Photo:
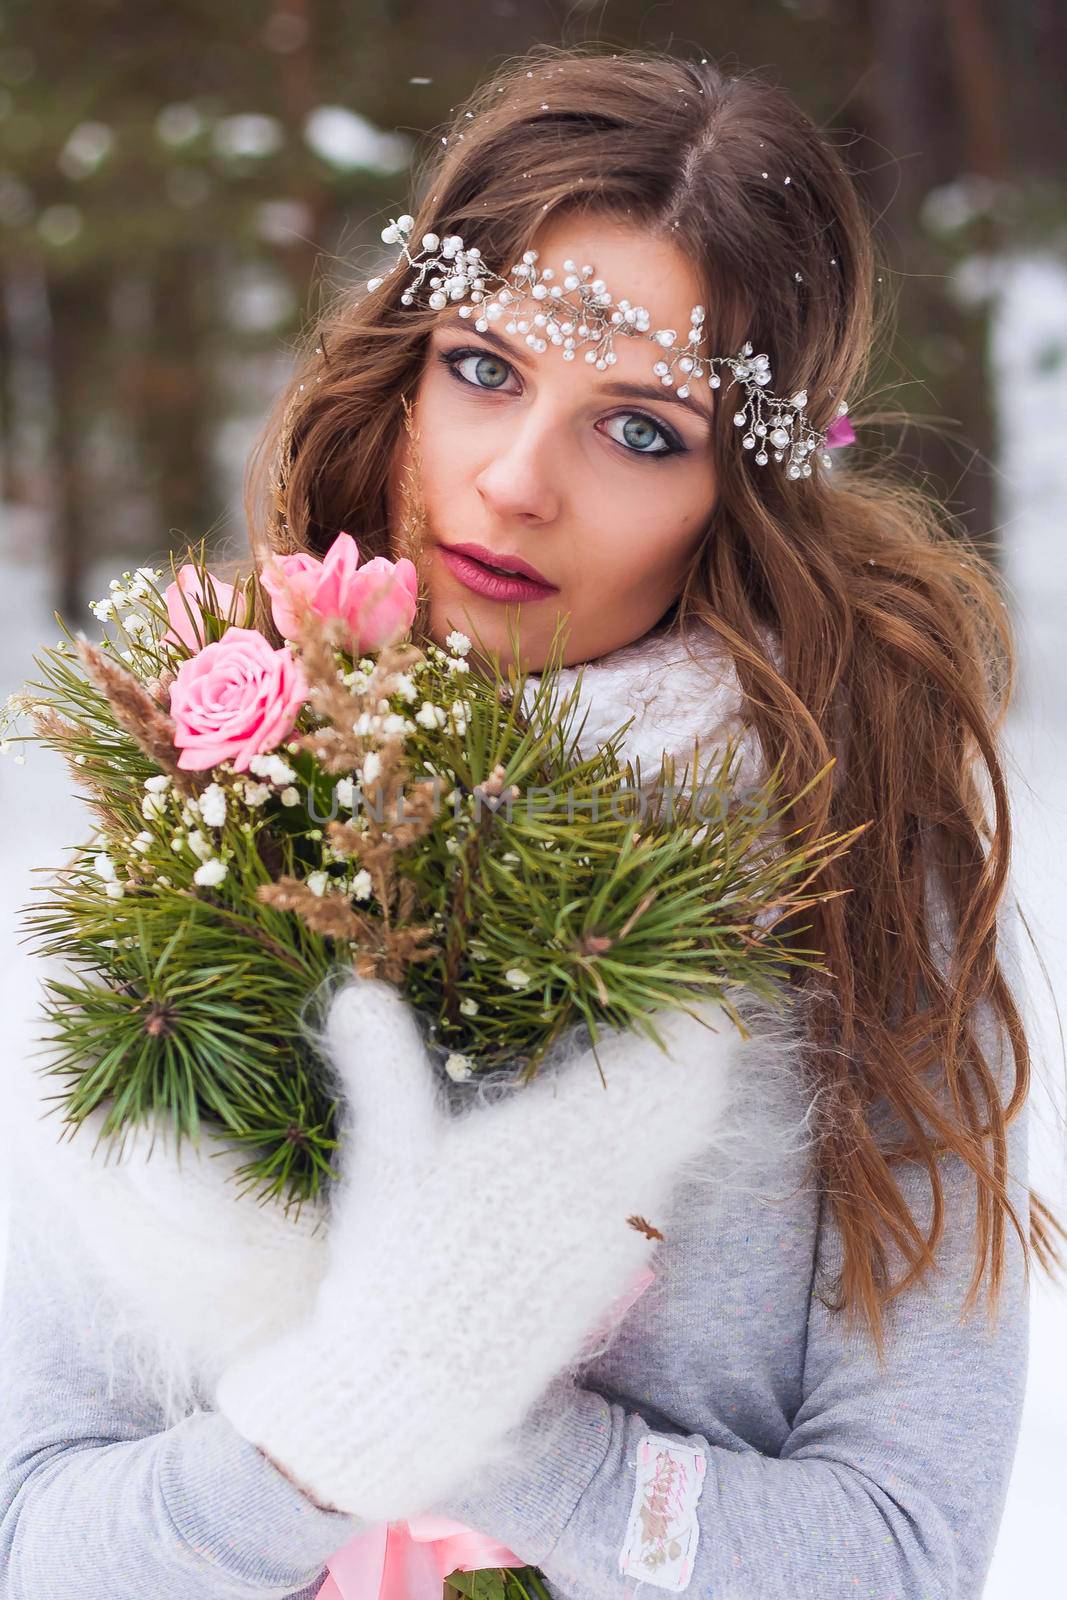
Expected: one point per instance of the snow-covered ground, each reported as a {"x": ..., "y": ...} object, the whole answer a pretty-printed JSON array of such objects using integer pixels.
[{"x": 1030, "y": 350}]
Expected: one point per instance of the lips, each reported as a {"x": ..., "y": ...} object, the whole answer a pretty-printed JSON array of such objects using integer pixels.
[
  {"x": 504, "y": 588},
  {"x": 501, "y": 563}
]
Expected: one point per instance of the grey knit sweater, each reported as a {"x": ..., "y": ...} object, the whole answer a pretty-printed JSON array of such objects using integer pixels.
[{"x": 789, "y": 1464}]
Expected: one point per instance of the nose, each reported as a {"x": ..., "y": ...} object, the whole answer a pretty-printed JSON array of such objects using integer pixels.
[{"x": 518, "y": 482}]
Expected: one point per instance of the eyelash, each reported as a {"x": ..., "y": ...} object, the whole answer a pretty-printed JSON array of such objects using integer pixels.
[{"x": 452, "y": 358}]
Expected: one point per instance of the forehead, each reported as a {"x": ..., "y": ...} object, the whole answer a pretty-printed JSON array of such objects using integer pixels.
[{"x": 652, "y": 272}]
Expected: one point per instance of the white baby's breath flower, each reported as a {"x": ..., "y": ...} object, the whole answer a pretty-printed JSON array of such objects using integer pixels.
[
  {"x": 103, "y": 610},
  {"x": 517, "y": 977},
  {"x": 137, "y": 626},
  {"x": 459, "y": 1067},
  {"x": 177, "y": 843},
  {"x": 453, "y": 846},
  {"x": 290, "y": 796},
  {"x": 372, "y": 765},
  {"x": 255, "y": 794},
  {"x": 469, "y": 1007},
  {"x": 405, "y": 686},
  {"x": 431, "y": 716},
  {"x": 272, "y": 767},
  {"x": 361, "y": 885},
  {"x": 210, "y": 873},
  {"x": 213, "y": 805},
  {"x": 104, "y": 867},
  {"x": 157, "y": 784},
  {"x": 344, "y": 788},
  {"x": 317, "y": 881},
  {"x": 394, "y": 723},
  {"x": 114, "y": 891},
  {"x": 200, "y": 844},
  {"x": 366, "y": 723},
  {"x": 458, "y": 642},
  {"x": 281, "y": 773},
  {"x": 142, "y": 842},
  {"x": 457, "y": 664}
]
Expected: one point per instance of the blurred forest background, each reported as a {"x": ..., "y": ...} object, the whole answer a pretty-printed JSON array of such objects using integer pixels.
[{"x": 180, "y": 182}]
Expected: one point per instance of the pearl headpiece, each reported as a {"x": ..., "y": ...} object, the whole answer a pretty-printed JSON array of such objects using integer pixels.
[{"x": 580, "y": 311}]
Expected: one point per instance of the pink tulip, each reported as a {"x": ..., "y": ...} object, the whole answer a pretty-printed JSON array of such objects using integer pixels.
[
  {"x": 235, "y": 699},
  {"x": 182, "y": 629},
  {"x": 291, "y": 582},
  {"x": 376, "y": 601}
]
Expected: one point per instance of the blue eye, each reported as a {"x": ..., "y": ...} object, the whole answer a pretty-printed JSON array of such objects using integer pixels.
[
  {"x": 485, "y": 380},
  {"x": 639, "y": 431}
]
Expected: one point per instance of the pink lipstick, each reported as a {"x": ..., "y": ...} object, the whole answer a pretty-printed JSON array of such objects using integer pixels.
[{"x": 515, "y": 579}]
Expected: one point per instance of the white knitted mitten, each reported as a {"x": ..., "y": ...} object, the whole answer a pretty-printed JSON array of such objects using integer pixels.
[{"x": 469, "y": 1255}]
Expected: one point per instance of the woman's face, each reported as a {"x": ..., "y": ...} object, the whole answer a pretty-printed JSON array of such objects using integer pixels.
[{"x": 604, "y": 493}]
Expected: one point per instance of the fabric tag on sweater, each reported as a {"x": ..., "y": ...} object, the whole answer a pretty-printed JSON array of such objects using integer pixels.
[{"x": 661, "y": 1535}]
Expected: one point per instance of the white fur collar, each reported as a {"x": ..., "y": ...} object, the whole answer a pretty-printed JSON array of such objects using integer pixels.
[{"x": 673, "y": 693}]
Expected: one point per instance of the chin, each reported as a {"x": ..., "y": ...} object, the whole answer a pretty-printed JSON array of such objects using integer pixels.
[{"x": 487, "y": 627}]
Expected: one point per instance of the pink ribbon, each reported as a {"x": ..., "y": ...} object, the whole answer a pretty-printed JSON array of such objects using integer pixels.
[{"x": 410, "y": 1560}]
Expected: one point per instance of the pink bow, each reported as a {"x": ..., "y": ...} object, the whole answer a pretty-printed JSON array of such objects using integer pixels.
[{"x": 410, "y": 1560}]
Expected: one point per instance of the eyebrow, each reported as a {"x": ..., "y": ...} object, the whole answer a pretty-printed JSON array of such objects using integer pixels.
[{"x": 656, "y": 392}]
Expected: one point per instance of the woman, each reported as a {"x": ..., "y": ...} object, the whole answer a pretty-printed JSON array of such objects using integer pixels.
[{"x": 805, "y": 1400}]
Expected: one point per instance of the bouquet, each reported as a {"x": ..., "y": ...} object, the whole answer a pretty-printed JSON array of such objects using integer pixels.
[
  {"x": 266, "y": 815},
  {"x": 263, "y": 813}
]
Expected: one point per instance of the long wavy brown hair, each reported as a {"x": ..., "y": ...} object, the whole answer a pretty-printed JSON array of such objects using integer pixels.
[{"x": 896, "y": 651}]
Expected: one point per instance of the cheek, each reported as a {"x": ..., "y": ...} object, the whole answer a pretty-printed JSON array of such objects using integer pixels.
[
  {"x": 651, "y": 528},
  {"x": 449, "y": 453}
]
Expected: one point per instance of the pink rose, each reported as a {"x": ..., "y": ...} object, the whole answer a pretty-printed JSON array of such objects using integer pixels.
[
  {"x": 376, "y": 602},
  {"x": 182, "y": 629},
  {"x": 235, "y": 699}
]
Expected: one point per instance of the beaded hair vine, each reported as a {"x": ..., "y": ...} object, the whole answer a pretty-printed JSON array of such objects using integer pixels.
[{"x": 580, "y": 311}]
